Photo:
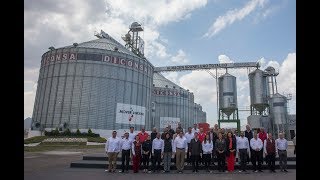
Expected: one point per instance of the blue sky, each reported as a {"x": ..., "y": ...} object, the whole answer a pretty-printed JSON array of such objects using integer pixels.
[
  {"x": 246, "y": 40},
  {"x": 175, "y": 32}
]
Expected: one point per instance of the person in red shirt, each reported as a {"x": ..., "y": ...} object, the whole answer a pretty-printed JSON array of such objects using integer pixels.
[
  {"x": 201, "y": 137},
  {"x": 143, "y": 135},
  {"x": 263, "y": 136}
]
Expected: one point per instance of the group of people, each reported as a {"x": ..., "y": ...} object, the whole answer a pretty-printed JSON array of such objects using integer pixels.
[{"x": 198, "y": 147}]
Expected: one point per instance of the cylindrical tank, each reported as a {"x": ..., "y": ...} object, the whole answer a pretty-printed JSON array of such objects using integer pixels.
[
  {"x": 173, "y": 104},
  {"x": 97, "y": 84},
  {"x": 227, "y": 93},
  {"x": 254, "y": 121},
  {"x": 279, "y": 114},
  {"x": 258, "y": 90}
]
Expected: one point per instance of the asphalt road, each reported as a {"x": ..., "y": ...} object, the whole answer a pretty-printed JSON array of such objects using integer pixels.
[{"x": 55, "y": 166}]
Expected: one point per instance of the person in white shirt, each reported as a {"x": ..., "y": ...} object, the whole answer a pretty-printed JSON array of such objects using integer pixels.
[
  {"x": 281, "y": 147},
  {"x": 112, "y": 149},
  {"x": 243, "y": 150},
  {"x": 189, "y": 135},
  {"x": 256, "y": 145},
  {"x": 207, "y": 146},
  {"x": 132, "y": 134},
  {"x": 180, "y": 147},
  {"x": 125, "y": 145},
  {"x": 195, "y": 128},
  {"x": 157, "y": 151}
]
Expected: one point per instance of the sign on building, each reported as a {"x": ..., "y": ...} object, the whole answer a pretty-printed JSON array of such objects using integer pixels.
[
  {"x": 130, "y": 114},
  {"x": 165, "y": 121}
]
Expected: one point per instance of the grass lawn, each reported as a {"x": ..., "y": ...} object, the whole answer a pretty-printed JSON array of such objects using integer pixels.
[{"x": 41, "y": 148}]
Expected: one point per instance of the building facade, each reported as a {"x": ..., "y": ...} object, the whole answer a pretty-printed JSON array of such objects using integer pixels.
[{"x": 102, "y": 85}]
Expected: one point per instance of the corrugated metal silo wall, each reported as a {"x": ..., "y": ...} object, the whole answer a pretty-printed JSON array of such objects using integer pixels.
[
  {"x": 173, "y": 103},
  {"x": 85, "y": 92}
]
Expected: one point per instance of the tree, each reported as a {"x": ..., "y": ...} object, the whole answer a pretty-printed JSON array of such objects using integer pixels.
[{"x": 89, "y": 131}]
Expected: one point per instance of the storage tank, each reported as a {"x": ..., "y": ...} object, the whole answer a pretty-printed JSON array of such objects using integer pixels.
[
  {"x": 199, "y": 114},
  {"x": 254, "y": 121},
  {"x": 227, "y": 93},
  {"x": 258, "y": 90},
  {"x": 279, "y": 114},
  {"x": 173, "y": 103},
  {"x": 97, "y": 84}
]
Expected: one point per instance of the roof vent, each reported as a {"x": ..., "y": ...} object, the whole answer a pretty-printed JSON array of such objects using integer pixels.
[
  {"x": 116, "y": 48},
  {"x": 174, "y": 87},
  {"x": 75, "y": 44},
  {"x": 166, "y": 86}
]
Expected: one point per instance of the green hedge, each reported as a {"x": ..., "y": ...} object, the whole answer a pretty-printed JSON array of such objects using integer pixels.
[
  {"x": 63, "y": 143},
  {"x": 68, "y": 133},
  {"x": 35, "y": 139},
  {"x": 38, "y": 139},
  {"x": 96, "y": 139}
]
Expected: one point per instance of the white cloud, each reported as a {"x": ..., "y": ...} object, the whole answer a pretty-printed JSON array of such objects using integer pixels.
[
  {"x": 172, "y": 76},
  {"x": 201, "y": 84},
  {"x": 287, "y": 80},
  {"x": 157, "y": 13},
  {"x": 29, "y": 97},
  {"x": 224, "y": 59},
  {"x": 204, "y": 86},
  {"x": 233, "y": 15},
  {"x": 60, "y": 23},
  {"x": 180, "y": 58},
  {"x": 270, "y": 11}
]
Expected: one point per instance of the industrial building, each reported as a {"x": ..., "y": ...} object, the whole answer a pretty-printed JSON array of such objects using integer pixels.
[
  {"x": 173, "y": 104},
  {"x": 268, "y": 107},
  {"x": 103, "y": 85}
]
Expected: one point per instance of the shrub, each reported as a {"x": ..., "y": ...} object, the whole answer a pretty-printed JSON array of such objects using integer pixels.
[
  {"x": 89, "y": 131},
  {"x": 55, "y": 132},
  {"x": 96, "y": 139},
  {"x": 46, "y": 133},
  {"x": 67, "y": 132},
  {"x": 78, "y": 133},
  {"x": 84, "y": 134},
  {"x": 35, "y": 139}
]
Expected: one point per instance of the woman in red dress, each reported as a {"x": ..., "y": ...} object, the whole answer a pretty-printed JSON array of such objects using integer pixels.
[
  {"x": 231, "y": 143},
  {"x": 136, "y": 154}
]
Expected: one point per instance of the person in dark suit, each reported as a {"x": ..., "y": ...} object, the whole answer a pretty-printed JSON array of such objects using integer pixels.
[
  {"x": 154, "y": 133},
  {"x": 221, "y": 147},
  {"x": 231, "y": 143},
  {"x": 195, "y": 150},
  {"x": 171, "y": 131}
]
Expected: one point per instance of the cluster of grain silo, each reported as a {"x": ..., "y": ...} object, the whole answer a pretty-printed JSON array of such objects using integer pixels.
[
  {"x": 103, "y": 85},
  {"x": 199, "y": 114},
  {"x": 268, "y": 107},
  {"x": 174, "y": 104}
]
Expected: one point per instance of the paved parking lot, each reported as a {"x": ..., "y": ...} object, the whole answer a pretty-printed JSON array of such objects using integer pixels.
[{"x": 54, "y": 166}]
